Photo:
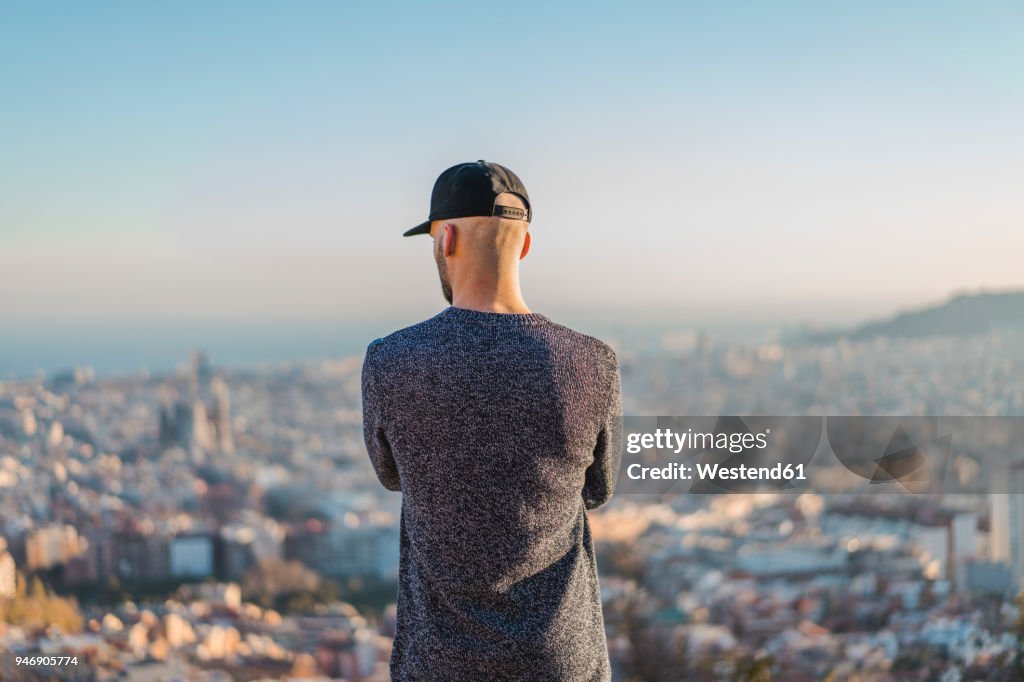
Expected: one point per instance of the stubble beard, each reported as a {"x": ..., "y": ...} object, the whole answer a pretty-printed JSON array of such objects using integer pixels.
[{"x": 442, "y": 273}]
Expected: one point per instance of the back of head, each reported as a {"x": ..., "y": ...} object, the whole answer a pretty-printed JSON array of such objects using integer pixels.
[
  {"x": 492, "y": 242},
  {"x": 479, "y": 219}
]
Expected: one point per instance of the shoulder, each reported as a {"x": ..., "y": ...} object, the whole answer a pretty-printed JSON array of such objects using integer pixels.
[
  {"x": 599, "y": 359},
  {"x": 588, "y": 345}
]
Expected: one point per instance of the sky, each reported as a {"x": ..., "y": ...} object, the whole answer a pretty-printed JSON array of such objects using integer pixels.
[{"x": 690, "y": 162}]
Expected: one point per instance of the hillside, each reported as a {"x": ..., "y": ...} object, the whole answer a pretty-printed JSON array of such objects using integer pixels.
[{"x": 962, "y": 315}]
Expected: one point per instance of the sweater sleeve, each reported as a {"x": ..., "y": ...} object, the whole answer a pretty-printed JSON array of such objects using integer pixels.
[
  {"x": 377, "y": 445},
  {"x": 602, "y": 473}
]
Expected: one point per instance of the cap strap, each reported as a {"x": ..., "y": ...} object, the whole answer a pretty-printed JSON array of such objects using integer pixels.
[{"x": 511, "y": 212}]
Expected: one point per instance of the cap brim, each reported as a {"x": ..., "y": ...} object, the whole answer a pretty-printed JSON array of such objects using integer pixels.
[{"x": 422, "y": 228}]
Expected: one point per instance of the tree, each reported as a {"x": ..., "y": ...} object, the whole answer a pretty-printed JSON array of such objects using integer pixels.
[
  {"x": 36, "y": 607},
  {"x": 277, "y": 583},
  {"x": 751, "y": 669}
]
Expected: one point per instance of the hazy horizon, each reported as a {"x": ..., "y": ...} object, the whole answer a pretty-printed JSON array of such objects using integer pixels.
[{"x": 161, "y": 345}]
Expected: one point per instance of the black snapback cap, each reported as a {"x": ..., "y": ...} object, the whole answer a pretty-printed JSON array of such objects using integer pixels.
[{"x": 470, "y": 189}]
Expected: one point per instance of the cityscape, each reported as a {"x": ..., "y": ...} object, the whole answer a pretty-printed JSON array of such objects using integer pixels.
[
  {"x": 220, "y": 522},
  {"x": 202, "y": 210}
]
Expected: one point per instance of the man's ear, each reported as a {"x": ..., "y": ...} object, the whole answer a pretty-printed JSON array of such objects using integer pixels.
[
  {"x": 526, "y": 247},
  {"x": 448, "y": 243}
]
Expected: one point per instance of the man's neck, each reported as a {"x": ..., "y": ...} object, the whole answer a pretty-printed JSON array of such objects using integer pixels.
[{"x": 491, "y": 302}]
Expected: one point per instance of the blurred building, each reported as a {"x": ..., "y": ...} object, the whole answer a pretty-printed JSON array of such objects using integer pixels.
[
  {"x": 198, "y": 372},
  {"x": 197, "y": 424},
  {"x": 340, "y": 550},
  {"x": 220, "y": 416},
  {"x": 191, "y": 556},
  {"x": 141, "y": 556},
  {"x": 52, "y": 545},
  {"x": 8, "y": 574},
  {"x": 244, "y": 543},
  {"x": 95, "y": 563},
  {"x": 988, "y": 577},
  {"x": 1007, "y": 498}
]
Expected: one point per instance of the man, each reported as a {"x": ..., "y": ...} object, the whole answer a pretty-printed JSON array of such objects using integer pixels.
[{"x": 500, "y": 428}]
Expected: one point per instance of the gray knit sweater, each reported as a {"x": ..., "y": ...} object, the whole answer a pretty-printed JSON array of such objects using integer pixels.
[{"x": 500, "y": 430}]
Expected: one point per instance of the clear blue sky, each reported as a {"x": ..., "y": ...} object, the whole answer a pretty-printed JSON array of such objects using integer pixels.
[{"x": 258, "y": 161}]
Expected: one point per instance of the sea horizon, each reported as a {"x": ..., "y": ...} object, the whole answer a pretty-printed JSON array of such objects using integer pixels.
[{"x": 123, "y": 348}]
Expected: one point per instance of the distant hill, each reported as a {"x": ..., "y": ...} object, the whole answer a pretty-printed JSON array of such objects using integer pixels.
[{"x": 962, "y": 315}]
